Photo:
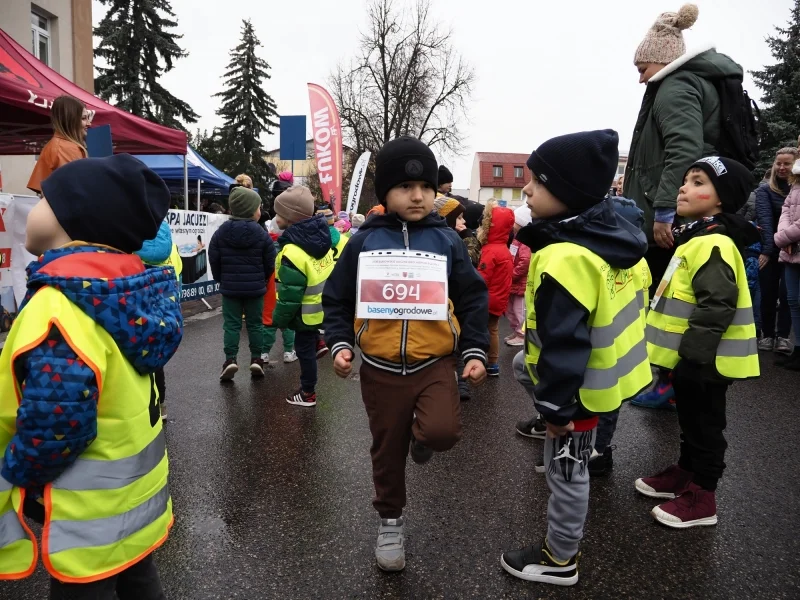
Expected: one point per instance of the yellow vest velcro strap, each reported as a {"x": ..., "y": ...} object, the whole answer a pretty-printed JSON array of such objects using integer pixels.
[
  {"x": 727, "y": 348},
  {"x": 10, "y": 529},
  {"x": 112, "y": 474},
  {"x": 67, "y": 535},
  {"x": 672, "y": 307},
  {"x": 603, "y": 379},
  {"x": 604, "y": 336},
  {"x": 313, "y": 290},
  {"x": 310, "y": 309}
]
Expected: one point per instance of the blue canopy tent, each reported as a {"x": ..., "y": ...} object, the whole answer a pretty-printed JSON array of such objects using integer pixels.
[{"x": 197, "y": 170}]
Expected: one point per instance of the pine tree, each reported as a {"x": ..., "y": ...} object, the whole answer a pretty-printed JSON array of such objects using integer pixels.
[
  {"x": 248, "y": 112},
  {"x": 780, "y": 117},
  {"x": 138, "y": 46}
]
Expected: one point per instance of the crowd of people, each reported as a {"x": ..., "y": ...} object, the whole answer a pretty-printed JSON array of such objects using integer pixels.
[{"x": 683, "y": 265}]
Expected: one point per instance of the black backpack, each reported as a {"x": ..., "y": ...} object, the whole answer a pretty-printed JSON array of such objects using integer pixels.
[{"x": 739, "y": 129}]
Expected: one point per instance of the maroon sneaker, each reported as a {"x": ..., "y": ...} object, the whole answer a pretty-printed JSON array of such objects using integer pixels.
[
  {"x": 694, "y": 507},
  {"x": 257, "y": 367},
  {"x": 322, "y": 349},
  {"x": 667, "y": 484}
]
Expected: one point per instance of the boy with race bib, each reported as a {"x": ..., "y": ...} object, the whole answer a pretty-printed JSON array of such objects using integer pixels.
[{"x": 406, "y": 292}]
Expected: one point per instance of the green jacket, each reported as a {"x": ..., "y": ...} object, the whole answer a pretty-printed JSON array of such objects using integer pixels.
[{"x": 679, "y": 122}]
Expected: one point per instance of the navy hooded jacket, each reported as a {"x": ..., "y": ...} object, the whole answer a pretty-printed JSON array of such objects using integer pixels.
[{"x": 242, "y": 258}]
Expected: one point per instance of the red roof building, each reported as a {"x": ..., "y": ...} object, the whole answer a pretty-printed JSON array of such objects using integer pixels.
[{"x": 499, "y": 175}]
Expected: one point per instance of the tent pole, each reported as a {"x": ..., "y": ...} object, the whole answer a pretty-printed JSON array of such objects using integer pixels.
[
  {"x": 198, "y": 195},
  {"x": 186, "y": 181}
]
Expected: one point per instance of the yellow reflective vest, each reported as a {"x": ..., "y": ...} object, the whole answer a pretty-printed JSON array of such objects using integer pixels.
[
  {"x": 737, "y": 353},
  {"x": 615, "y": 301},
  {"x": 340, "y": 247},
  {"x": 112, "y": 507},
  {"x": 316, "y": 270}
]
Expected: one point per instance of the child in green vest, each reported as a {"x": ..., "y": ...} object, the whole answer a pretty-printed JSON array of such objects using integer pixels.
[
  {"x": 304, "y": 262},
  {"x": 701, "y": 327},
  {"x": 585, "y": 347}
]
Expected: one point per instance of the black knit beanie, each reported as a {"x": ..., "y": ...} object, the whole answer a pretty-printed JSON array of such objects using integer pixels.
[
  {"x": 115, "y": 201},
  {"x": 404, "y": 159},
  {"x": 445, "y": 176},
  {"x": 732, "y": 180},
  {"x": 577, "y": 168}
]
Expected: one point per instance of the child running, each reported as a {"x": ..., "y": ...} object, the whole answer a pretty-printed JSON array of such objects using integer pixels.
[
  {"x": 496, "y": 267},
  {"x": 270, "y": 300},
  {"x": 83, "y": 444},
  {"x": 304, "y": 263},
  {"x": 585, "y": 342},
  {"x": 701, "y": 327},
  {"x": 407, "y": 381}
]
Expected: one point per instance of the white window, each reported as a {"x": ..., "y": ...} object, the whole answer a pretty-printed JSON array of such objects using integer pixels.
[
  {"x": 516, "y": 194},
  {"x": 40, "y": 37},
  {"x": 498, "y": 193},
  {"x": 519, "y": 172},
  {"x": 498, "y": 172}
]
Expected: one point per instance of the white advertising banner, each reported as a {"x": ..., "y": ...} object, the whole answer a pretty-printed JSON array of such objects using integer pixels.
[{"x": 191, "y": 232}]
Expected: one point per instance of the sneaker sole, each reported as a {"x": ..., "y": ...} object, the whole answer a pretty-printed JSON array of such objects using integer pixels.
[
  {"x": 646, "y": 490},
  {"x": 659, "y": 515},
  {"x": 663, "y": 406},
  {"x": 256, "y": 371},
  {"x": 493, "y": 374},
  {"x": 229, "y": 373},
  {"x": 391, "y": 566},
  {"x": 287, "y": 362},
  {"x": 515, "y": 344},
  {"x": 535, "y": 436},
  {"x": 542, "y": 578},
  {"x": 785, "y": 352},
  {"x": 539, "y": 469},
  {"x": 308, "y": 404}
]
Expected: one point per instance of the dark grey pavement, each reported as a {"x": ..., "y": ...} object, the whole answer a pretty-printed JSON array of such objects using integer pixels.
[{"x": 274, "y": 501}]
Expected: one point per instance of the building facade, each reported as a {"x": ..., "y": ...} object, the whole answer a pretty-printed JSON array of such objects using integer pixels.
[
  {"x": 59, "y": 33},
  {"x": 499, "y": 175}
]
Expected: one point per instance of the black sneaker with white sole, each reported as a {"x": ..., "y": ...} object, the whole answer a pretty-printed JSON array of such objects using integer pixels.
[
  {"x": 533, "y": 428},
  {"x": 601, "y": 464},
  {"x": 536, "y": 563},
  {"x": 229, "y": 369},
  {"x": 420, "y": 453}
]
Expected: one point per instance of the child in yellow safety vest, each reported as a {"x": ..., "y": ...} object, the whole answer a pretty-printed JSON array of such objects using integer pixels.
[
  {"x": 80, "y": 426},
  {"x": 701, "y": 327}
]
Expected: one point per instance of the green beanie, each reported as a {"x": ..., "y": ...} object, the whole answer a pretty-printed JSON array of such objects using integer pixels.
[{"x": 243, "y": 202}]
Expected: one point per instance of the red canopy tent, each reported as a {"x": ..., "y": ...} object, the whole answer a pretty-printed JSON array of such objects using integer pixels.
[{"x": 27, "y": 90}]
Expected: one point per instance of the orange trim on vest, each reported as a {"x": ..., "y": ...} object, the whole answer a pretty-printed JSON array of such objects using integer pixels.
[
  {"x": 95, "y": 265},
  {"x": 32, "y": 568}
]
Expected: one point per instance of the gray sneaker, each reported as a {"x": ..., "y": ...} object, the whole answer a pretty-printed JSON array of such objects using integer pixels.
[
  {"x": 766, "y": 344},
  {"x": 783, "y": 346},
  {"x": 390, "y": 550}
]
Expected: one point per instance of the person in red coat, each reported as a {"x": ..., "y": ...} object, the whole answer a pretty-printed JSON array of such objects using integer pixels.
[
  {"x": 515, "y": 312},
  {"x": 496, "y": 267}
]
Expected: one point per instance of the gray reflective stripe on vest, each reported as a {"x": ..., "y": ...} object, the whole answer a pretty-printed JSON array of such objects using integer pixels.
[
  {"x": 68, "y": 535},
  {"x": 88, "y": 474},
  {"x": 604, "y": 336},
  {"x": 314, "y": 290},
  {"x": 672, "y": 307},
  {"x": 533, "y": 337},
  {"x": 726, "y": 348},
  {"x": 310, "y": 309},
  {"x": 603, "y": 379},
  {"x": 10, "y": 529}
]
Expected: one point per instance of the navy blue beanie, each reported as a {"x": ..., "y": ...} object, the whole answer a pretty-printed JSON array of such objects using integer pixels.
[
  {"x": 115, "y": 201},
  {"x": 577, "y": 168}
]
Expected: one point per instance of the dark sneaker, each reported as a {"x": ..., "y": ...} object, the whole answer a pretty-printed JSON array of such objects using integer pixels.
[
  {"x": 783, "y": 346},
  {"x": 694, "y": 507},
  {"x": 601, "y": 464},
  {"x": 390, "y": 551},
  {"x": 229, "y": 369},
  {"x": 257, "y": 367},
  {"x": 493, "y": 370},
  {"x": 533, "y": 428},
  {"x": 301, "y": 398},
  {"x": 420, "y": 453},
  {"x": 322, "y": 349},
  {"x": 662, "y": 396},
  {"x": 766, "y": 344},
  {"x": 667, "y": 484},
  {"x": 536, "y": 563}
]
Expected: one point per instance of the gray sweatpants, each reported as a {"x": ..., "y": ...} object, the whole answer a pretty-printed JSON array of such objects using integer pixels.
[{"x": 566, "y": 461}]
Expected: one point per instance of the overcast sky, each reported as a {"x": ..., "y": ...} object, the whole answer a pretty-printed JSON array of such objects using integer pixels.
[{"x": 544, "y": 67}]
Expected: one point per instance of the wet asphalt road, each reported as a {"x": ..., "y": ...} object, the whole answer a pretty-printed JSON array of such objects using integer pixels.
[{"x": 274, "y": 501}]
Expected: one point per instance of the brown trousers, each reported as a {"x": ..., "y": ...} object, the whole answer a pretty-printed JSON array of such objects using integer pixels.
[
  {"x": 494, "y": 339},
  {"x": 391, "y": 402}
]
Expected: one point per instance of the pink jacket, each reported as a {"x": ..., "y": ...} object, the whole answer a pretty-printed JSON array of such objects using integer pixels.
[
  {"x": 519, "y": 277},
  {"x": 789, "y": 227}
]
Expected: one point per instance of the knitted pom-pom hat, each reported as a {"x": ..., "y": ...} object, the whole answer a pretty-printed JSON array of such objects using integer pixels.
[{"x": 664, "y": 41}]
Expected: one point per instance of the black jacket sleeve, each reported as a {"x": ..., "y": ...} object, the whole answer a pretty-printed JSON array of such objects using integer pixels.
[
  {"x": 766, "y": 220},
  {"x": 339, "y": 298},
  {"x": 562, "y": 325},
  {"x": 269, "y": 257},
  {"x": 214, "y": 257},
  {"x": 717, "y": 294},
  {"x": 470, "y": 297}
]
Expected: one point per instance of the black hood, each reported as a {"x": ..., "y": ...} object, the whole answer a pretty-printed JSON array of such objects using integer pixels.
[
  {"x": 392, "y": 221},
  {"x": 740, "y": 230},
  {"x": 598, "y": 229},
  {"x": 312, "y": 235}
]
